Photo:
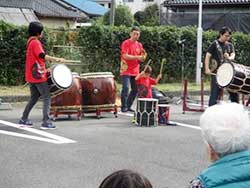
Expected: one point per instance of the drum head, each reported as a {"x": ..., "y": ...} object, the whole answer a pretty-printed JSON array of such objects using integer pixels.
[
  {"x": 225, "y": 74},
  {"x": 62, "y": 76}
]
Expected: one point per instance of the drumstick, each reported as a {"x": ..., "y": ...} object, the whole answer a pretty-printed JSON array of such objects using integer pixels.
[
  {"x": 72, "y": 61},
  {"x": 149, "y": 61},
  {"x": 162, "y": 62}
]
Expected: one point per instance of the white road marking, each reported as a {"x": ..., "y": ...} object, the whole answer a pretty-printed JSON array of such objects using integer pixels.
[
  {"x": 179, "y": 124},
  {"x": 52, "y": 138},
  {"x": 187, "y": 125}
]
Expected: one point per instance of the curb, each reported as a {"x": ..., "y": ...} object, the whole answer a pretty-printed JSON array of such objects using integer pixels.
[{"x": 24, "y": 98}]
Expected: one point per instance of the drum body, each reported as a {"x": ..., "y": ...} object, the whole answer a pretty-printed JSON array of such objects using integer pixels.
[
  {"x": 59, "y": 79},
  {"x": 98, "y": 88},
  {"x": 146, "y": 112},
  {"x": 163, "y": 114},
  {"x": 98, "y": 92},
  {"x": 234, "y": 77},
  {"x": 69, "y": 101}
]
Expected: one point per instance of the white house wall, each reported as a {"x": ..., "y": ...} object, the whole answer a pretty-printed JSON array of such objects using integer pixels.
[{"x": 138, "y": 5}]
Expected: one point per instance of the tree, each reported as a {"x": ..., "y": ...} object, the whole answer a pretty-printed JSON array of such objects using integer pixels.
[
  {"x": 148, "y": 17},
  {"x": 123, "y": 16}
]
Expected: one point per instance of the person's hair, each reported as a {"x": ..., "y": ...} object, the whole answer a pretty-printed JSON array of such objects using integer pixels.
[
  {"x": 135, "y": 28},
  {"x": 125, "y": 179},
  {"x": 226, "y": 128},
  {"x": 223, "y": 30},
  {"x": 148, "y": 69},
  {"x": 35, "y": 28}
]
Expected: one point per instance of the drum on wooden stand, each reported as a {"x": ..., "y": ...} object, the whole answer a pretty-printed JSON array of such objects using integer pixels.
[
  {"x": 69, "y": 101},
  {"x": 59, "y": 79},
  {"x": 98, "y": 93},
  {"x": 234, "y": 77},
  {"x": 147, "y": 112}
]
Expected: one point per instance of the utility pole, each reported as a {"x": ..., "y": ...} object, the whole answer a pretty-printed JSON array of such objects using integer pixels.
[
  {"x": 199, "y": 46},
  {"x": 112, "y": 13}
]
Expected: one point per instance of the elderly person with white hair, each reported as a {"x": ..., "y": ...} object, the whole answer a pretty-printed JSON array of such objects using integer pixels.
[{"x": 226, "y": 132}]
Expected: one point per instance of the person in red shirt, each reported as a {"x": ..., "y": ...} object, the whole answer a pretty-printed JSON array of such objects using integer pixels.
[
  {"x": 144, "y": 82},
  {"x": 132, "y": 53},
  {"x": 36, "y": 75}
]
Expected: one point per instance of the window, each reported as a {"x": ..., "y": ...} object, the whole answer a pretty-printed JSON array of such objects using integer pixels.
[{"x": 125, "y": 1}]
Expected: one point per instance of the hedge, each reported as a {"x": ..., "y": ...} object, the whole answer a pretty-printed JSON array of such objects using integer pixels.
[{"x": 101, "y": 49}]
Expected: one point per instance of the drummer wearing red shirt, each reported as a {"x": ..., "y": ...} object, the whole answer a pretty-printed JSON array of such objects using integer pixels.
[
  {"x": 36, "y": 75},
  {"x": 132, "y": 53},
  {"x": 144, "y": 82}
]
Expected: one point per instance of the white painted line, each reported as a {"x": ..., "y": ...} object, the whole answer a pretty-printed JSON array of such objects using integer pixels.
[
  {"x": 180, "y": 124},
  {"x": 126, "y": 114},
  {"x": 60, "y": 139},
  {"x": 187, "y": 125},
  {"x": 30, "y": 137}
]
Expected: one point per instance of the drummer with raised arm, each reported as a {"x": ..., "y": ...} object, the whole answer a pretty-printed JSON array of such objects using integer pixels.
[
  {"x": 218, "y": 52},
  {"x": 36, "y": 76}
]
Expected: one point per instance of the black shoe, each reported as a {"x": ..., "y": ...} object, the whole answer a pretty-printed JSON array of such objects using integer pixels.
[
  {"x": 124, "y": 110},
  {"x": 130, "y": 110}
]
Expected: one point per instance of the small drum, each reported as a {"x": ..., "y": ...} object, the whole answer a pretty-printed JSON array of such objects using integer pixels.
[
  {"x": 59, "y": 79},
  {"x": 146, "y": 112},
  {"x": 99, "y": 88},
  {"x": 235, "y": 77},
  {"x": 163, "y": 114}
]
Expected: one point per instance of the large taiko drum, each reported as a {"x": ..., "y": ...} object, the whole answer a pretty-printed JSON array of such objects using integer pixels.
[
  {"x": 147, "y": 112},
  {"x": 59, "y": 79},
  {"x": 69, "y": 101},
  {"x": 98, "y": 92},
  {"x": 234, "y": 77}
]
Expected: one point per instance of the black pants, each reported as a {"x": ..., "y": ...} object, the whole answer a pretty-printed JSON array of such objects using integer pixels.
[
  {"x": 38, "y": 90},
  {"x": 215, "y": 92}
]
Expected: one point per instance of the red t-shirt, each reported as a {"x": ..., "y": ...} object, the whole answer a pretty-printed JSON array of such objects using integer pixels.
[
  {"x": 144, "y": 87},
  {"x": 131, "y": 48},
  {"x": 35, "y": 70}
]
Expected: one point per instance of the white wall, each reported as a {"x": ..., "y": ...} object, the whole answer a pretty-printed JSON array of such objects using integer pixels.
[
  {"x": 57, "y": 22},
  {"x": 138, "y": 5}
]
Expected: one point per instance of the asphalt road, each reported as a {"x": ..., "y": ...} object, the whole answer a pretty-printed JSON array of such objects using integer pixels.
[{"x": 89, "y": 150}]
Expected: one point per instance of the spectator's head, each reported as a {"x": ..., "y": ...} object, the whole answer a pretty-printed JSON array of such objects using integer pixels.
[
  {"x": 35, "y": 29},
  {"x": 135, "y": 33},
  {"x": 225, "y": 34},
  {"x": 225, "y": 129},
  {"x": 125, "y": 179}
]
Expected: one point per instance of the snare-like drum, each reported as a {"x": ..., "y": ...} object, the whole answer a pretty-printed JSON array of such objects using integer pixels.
[
  {"x": 235, "y": 77},
  {"x": 59, "y": 79},
  {"x": 147, "y": 112},
  {"x": 163, "y": 114}
]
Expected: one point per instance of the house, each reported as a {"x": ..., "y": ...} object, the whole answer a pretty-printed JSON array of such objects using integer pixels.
[
  {"x": 105, "y": 3},
  {"x": 138, "y": 5},
  {"x": 89, "y": 7},
  {"x": 232, "y": 13},
  {"x": 52, "y": 13}
]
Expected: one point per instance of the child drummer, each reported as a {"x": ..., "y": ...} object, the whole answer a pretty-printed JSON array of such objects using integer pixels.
[{"x": 144, "y": 82}]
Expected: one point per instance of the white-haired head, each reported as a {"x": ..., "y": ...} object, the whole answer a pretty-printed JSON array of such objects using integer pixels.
[{"x": 225, "y": 127}]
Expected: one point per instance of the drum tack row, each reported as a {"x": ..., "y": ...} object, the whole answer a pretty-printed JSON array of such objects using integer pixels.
[{"x": 95, "y": 93}]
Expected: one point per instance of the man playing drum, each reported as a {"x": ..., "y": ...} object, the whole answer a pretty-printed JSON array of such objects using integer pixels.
[
  {"x": 221, "y": 49},
  {"x": 36, "y": 75},
  {"x": 132, "y": 53}
]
